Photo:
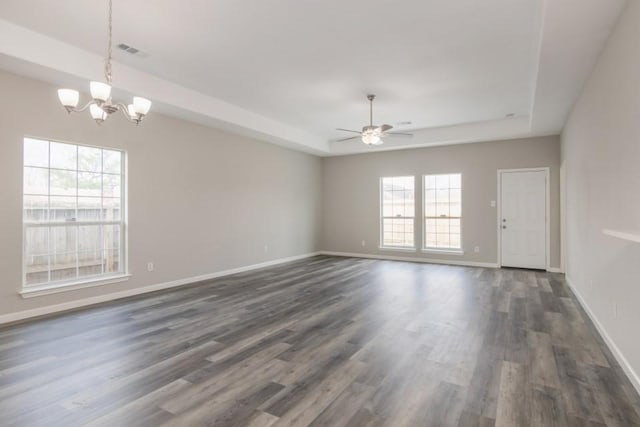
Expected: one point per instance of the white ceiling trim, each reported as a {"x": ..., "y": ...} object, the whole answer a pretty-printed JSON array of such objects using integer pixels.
[
  {"x": 574, "y": 33},
  {"x": 537, "y": 51},
  {"x": 569, "y": 36},
  {"x": 447, "y": 135},
  {"x": 43, "y": 51},
  {"x": 56, "y": 58}
]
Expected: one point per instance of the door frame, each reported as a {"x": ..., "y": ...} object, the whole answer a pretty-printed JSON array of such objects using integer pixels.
[{"x": 547, "y": 224}]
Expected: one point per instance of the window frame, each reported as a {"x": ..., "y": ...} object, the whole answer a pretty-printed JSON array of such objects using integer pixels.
[
  {"x": 381, "y": 244},
  {"x": 448, "y": 250},
  {"x": 90, "y": 280}
]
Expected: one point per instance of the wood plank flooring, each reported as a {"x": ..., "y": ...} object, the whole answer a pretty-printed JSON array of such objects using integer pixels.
[{"x": 326, "y": 341}]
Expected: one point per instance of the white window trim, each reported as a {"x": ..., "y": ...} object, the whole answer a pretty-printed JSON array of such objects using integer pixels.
[
  {"x": 440, "y": 251},
  {"x": 398, "y": 248},
  {"x": 54, "y": 288},
  {"x": 90, "y": 281},
  {"x": 381, "y": 218}
]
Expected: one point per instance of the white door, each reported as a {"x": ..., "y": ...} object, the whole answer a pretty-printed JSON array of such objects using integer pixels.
[{"x": 523, "y": 219}]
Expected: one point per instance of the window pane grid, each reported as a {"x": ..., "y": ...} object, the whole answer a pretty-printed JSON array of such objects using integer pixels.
[
  {"x": 398, "y": 211},
  {"x": 442, "y": 211},
  {"x": 73, "y": 222}
]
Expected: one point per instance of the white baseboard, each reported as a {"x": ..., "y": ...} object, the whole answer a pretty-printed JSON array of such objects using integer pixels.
[
  {"x": 413, "y": 259},
  {"x": 555, "y": 270},
  {"x": 631, "y": 374},
  {"x": 42, "y": 311}
]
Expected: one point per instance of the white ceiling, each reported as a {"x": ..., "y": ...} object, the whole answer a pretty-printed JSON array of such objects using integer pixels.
[{"x": 291, "y": 71}]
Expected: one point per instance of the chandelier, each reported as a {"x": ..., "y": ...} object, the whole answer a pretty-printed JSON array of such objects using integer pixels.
[{"x": 102, "y": 106}]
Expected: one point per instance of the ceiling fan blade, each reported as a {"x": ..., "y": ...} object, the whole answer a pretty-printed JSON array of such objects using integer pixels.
[
  {"x": 348, "y": 130},
  {"x": 385, "y": 128},
  {"x": 348, "y": 139}
]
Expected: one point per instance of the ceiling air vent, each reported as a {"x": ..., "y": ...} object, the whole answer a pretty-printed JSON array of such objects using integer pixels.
[{"x": 130, "y": 49}]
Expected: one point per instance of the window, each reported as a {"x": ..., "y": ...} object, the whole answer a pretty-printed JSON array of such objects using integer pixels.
[
  {"x": 398, "y": 211},
  {"x": 443, "y": 211},
  {"x": 73, "y": 216}
]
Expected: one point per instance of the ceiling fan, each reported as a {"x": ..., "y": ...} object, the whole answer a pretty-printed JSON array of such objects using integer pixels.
[{"x": 372, "y": 135}]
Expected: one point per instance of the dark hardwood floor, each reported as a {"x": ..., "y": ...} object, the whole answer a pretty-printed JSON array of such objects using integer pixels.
[{"x": 326, "y": 341}]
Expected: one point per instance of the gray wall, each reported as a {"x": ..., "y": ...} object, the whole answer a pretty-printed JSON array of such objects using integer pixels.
[
  {"x": 200, "y": 200},
  {"x": 351, "y": 193},
  {"x": 601, "y": 158}
]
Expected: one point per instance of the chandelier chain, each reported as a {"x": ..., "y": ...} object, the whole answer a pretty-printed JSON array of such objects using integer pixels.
[{"x": 107, "y": 65}]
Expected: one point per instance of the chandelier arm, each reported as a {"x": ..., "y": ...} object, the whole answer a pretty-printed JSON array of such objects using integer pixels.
[
  {"x": 125, "y": 111},
  {"x": 81, "y": 109}
]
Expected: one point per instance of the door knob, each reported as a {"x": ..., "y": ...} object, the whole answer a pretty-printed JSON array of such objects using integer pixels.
[
  {"x": 504, "y": 220},
  {"x": 504, "y": 226}
]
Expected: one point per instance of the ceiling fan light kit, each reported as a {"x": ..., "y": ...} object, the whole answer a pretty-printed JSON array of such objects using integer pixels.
[
  {"x": 102, "y": 106},
  {"x": 371, "y": 134},
  {"x": 371, "y": 137}
]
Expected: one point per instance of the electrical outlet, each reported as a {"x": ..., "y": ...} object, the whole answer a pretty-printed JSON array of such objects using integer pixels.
[
  {"x": 615, "y": 310},
  {"x": 364, "y": 243},
  {"x": 493, "y": 203},
  {"x": 150, "y": 266},
  {"x": 476, "y": 249},
  {"x": 266, "y": 248}
]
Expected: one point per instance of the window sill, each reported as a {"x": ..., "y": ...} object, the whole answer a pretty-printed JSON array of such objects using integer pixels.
[
  {"x": 399, "y": 249},
  {"x": 443, "y": 251},
  {"x": 36, "y": 291}
]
